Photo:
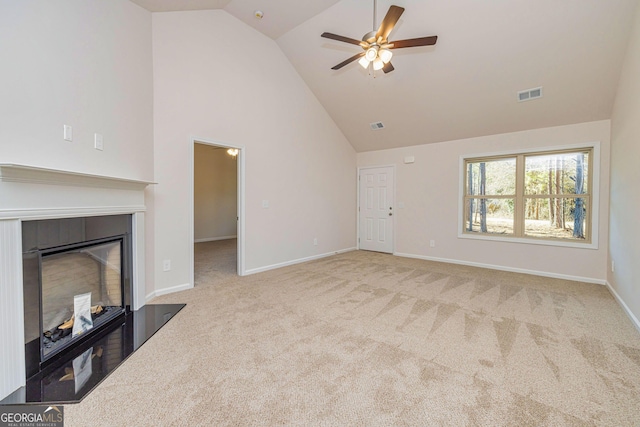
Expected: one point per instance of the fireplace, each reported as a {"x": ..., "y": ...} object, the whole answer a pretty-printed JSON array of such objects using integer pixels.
[
  {"x": 83, "y": 207},
  {"x": 76, "y": 279},
  {"x": 80, "y": 290},
  {"x": 80, "y": 268}
]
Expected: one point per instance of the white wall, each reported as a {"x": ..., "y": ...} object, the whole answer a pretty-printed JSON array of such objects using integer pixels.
[
  {"x": 624, "y": 242},
  {"x": 215, "y": 193},
  {"x": 86, "y": 64},
  {"x": 220, "y": 80},
  {"x": 429, "y": 190}
]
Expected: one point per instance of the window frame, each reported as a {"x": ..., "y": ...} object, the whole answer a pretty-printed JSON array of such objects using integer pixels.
[{"x": 593, "y": 184}]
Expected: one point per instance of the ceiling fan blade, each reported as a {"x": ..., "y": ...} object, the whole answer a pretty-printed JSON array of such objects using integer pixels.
[
  {"x": 420, "y": 41},
  {"x": 388, "y": 68},
  {"x": 389, "y": 22},
  {"x": 348, "y": 61},
  {"x": 340, "y": 38}
]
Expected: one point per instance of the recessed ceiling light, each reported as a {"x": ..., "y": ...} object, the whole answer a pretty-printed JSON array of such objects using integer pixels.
[{"x": 258, "y": 14}]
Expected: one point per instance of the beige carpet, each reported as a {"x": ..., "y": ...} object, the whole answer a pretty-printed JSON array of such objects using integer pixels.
[{"x": 367, "y": 339}]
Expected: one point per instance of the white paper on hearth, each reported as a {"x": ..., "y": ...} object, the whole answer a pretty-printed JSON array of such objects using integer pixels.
[{"x": 82, "y": 313}]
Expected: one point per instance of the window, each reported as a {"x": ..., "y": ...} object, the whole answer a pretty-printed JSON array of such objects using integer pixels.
[{"x": 544, "y": 196}]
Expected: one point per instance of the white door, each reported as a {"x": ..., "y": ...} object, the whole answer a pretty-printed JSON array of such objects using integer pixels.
[{"x": 376, "y": 209}]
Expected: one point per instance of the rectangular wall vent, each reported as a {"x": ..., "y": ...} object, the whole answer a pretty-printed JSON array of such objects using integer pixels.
[
  {"x": 377, "y": 126},
  {"x": 530, "y": 94}
]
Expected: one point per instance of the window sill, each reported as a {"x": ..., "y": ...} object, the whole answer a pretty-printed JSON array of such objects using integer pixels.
[{"x": 531, "y": 241}]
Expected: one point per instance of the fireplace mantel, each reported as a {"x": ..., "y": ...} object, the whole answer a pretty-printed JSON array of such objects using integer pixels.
[{"x": 10, "y": 172}]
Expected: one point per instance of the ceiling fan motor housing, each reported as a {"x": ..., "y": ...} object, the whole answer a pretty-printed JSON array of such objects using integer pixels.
[{"x": 370, "y": 37}]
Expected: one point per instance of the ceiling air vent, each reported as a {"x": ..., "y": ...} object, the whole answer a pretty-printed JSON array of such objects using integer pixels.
[
  {"x": 530, "y": 94},
  {"x": 377, "y": 126}
]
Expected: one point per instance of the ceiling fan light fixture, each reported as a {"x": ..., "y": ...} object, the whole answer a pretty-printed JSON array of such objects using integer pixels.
[
  {"x": 376, "y": 45},
  {"x": 371, "y": 53},
  {"x": 385, "y": 55},
  {"x": 233, "y": 152}
]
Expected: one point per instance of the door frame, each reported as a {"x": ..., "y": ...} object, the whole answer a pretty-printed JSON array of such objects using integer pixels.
[
  {"x": 393, "y": 221},
  {"x": 240, "y": 267}
]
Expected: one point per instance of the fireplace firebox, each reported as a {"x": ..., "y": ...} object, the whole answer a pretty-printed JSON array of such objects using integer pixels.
[
  {"x": 77, "y": 282},
  {"x": 81, "y": 290}
]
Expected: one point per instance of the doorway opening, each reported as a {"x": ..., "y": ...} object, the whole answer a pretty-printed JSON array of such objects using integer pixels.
[{"x": 217, "y": 211}]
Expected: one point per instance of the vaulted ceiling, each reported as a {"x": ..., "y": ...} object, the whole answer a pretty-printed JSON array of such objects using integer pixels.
[{"x": 464, "y": 86}]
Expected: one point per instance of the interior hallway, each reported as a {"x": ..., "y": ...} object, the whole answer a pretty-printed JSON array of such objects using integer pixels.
[{"x": 215, "y": 261}]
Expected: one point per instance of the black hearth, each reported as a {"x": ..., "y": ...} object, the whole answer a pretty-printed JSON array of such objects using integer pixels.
[{"x": 75, "y": 373}]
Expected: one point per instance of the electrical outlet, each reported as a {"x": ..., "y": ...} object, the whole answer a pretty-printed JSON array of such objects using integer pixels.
[
  {"x": 166, "y": 265},
  {"x": 67, "y": 133},
  {"x": 98, "y": 142},
  {"x": 315, "y": 241},
  {"x": 432, "y": 243}
]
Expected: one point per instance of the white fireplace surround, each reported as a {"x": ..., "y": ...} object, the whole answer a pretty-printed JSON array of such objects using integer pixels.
[{"x": 34, "y": 193}]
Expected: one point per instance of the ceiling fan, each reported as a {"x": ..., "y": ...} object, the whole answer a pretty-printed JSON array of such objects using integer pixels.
[{"x": 376, "y": 46}]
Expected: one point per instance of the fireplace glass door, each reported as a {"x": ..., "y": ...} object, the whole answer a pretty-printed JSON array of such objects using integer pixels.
[{"x": 81, "y": 290}]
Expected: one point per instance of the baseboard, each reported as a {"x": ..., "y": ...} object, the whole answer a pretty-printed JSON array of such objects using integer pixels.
[
  {"x": 214, "y": 239},
  {"x": 624, "y": 306},
  {"x": 296, "y": 261},
  {"x": 509, "y": 269},
  {"x": 170, "y": 290}
]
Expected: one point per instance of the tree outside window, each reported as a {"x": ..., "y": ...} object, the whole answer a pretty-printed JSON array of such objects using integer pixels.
[{"x": 535, "y": 195}]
